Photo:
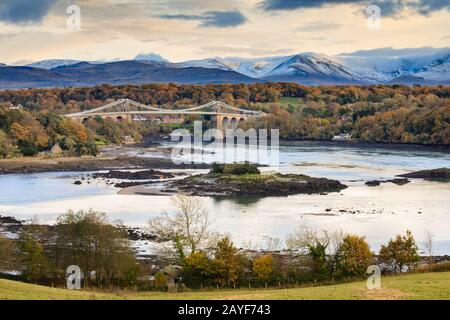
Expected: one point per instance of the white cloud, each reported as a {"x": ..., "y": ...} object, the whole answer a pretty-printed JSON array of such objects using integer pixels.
[{"x": 122, "y": 29}]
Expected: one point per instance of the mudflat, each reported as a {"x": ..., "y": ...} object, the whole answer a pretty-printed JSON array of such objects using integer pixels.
[{"x": 36, "y": 165}]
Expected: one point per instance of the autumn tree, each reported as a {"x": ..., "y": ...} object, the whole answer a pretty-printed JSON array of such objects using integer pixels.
[
  {"x": 98, "y": 247},
  {"x": 7, "y": 254},
  {"x": 228, "y": 264},
  {"x": 353, "y": 256},
  {"x": 401, "y": 253},
  {"x": 33, "y": 257},
  {"x": 263, "y": 268}
]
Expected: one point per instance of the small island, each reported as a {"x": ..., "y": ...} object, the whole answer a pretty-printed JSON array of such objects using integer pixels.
[
  {"x": 440, "y": 174},
  {"x": 231, "y": 180}
]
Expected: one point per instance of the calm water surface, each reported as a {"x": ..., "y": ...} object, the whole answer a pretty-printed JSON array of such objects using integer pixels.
[{"x": 376, "y": 212}]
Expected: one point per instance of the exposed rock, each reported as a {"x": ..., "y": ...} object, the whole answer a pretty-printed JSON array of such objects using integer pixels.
[
  {"x": 274, "y": 185},
  {"x": 133, "y": 183},
  {"x": 441, "y": 174},
  {"x": 93, "y": 164},
  {"x": 397, "y": 181},
  {"x": 138, "y": 175}
]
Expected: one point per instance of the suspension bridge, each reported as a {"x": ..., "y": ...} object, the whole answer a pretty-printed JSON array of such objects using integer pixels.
[{"x": 221, "y": 115}]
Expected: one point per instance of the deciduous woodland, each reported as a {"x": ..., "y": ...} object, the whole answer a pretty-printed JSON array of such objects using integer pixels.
[{"x": 390, "y": 114}]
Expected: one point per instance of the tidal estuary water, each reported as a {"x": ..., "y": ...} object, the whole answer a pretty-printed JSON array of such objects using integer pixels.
[{"x": 378, "y": 212}]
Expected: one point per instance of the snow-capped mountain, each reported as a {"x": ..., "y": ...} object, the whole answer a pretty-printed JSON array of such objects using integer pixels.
[
  {"x": 150, "y": 57},
  {"x": 385, "y": 65},
  {"x": 213, "y": 63},
  {"x": 256, "y": 68},
  {"x": 52, "y": 63},
  {"x": 312, "y": 68}
]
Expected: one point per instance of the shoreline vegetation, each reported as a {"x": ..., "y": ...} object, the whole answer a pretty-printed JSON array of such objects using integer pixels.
[
  {"x": 230, "y": 180},
  {"x": 400, "y": 117},
  {"x": 31, "y": 120},
  {"x": 75, "y": 164},
  {"x": 200, "y": 257}
]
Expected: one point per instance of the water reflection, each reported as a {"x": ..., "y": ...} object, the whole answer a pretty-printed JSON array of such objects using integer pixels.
[
  {"x": 376, "y": 212},
  {"x": 245, "y": 201}
]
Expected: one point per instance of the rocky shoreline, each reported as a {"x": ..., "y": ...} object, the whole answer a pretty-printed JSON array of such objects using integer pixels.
[
  {"x": 11, "y": 227},
  {"x": 397, "y": 181},
  {"x": 440, "y": 174},
  {"x": 91, "y": 164},
  {"x": 273, "y": 185}
]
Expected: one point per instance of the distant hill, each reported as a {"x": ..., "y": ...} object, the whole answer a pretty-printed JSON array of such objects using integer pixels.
[
  {"x": 426, "y": 66},
  {"x": 49, "y": 64},
  {"x": 121, "y": 72}
]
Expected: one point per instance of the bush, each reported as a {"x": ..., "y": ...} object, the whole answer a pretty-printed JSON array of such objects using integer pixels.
[
  {"x": 28, "y": 148},
  {"x": 160, "y": 281},
  {"x": 217, "y": 168},
  {"x": 441, "y": 267},
  {"x": 235, "y": 168}
]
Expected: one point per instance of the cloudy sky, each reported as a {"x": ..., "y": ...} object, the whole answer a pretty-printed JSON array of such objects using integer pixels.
[{"x": 179, "y": 30}]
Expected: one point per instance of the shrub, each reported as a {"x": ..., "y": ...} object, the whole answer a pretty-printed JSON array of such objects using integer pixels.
[
  {"x": 241, "y": 168},
  {"x": 28, "y": 148},
  {"x": 235, "y": 168},
  {"x": 160, "y": 281},
  {"x": 441, "y": 267},
  {"x": 217, "y": 168}
]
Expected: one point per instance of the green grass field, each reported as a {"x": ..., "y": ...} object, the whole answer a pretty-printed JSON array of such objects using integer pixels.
[
  {"x": 288, "y": 100},
  {"x": 412, "y": 286}
]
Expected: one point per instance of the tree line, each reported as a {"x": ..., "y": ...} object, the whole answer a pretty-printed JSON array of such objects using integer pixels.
[
  {"x": 204, "y": 258},
  {"x": 377, "y": 113},
  {"x": 27, "y": 133}
]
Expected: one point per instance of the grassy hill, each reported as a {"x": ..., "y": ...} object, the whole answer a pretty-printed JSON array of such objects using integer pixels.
[{"x": 412, "y": 286}]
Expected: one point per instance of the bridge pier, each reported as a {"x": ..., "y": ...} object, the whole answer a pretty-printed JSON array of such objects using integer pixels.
[
  {"x": 224, "y": 122},
  {"x": 119, "y": 118}
]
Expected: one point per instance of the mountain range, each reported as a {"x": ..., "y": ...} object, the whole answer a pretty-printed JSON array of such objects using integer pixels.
[{"x": 427, "y": 66}]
